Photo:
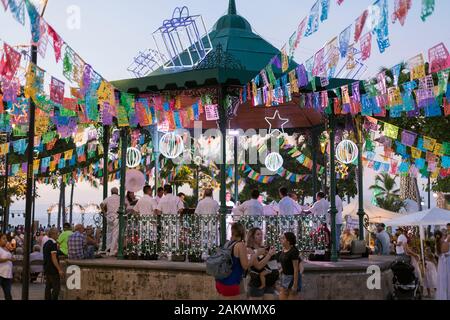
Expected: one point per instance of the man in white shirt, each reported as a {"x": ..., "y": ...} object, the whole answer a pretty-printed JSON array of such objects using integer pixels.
[
  {"x": 402, "y": 242},
  {"x": 146, "y": 205},
  {"x": 340, "y": 209},
  {"x": 159, "y": 194},
  {"x": 110, "y": 207},
  {"x": 229, "y": 203},
  {"x": 169, "y": 204},
  {"x": 207, "y": 206},
  {"x": 321, "y": 206},
  {"x": 287, "y": 206},
  {"x": 250, "y": 207}
]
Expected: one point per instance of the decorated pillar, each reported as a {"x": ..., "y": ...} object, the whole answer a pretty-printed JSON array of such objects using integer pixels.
[
  {"x": 5, "y": 190},
  {"x": 236, "y": 170},
  {"x": 223, "y": 167},
  {"x": 123, "y": 166},
  {"x": 72, "y": 187},
  {"x": 315, "y": 150},
  {"x": 361, "y": 212},
  {"x": 333, "y": 210},
  {"x": 105, "y": 182},
  {"x": 155, "y": 138}
]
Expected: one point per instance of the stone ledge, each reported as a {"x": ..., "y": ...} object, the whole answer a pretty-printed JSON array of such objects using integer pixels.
[{"x": 356, "y": 265}]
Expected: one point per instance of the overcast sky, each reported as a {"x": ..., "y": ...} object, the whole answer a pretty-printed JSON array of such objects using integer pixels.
[{"x": 111, "y": 32}]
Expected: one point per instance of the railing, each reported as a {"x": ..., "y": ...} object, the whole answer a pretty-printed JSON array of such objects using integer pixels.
[{"x": 147, "y": 237}]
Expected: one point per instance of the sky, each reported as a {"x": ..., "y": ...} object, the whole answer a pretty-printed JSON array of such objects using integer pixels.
[{"x": 108, "y": 34}]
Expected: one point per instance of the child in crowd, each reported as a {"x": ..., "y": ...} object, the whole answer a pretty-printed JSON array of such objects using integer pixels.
[{"x": 430, "y": 281}]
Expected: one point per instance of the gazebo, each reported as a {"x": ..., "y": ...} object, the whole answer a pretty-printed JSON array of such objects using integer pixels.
[{"x": 238, "y": 55}]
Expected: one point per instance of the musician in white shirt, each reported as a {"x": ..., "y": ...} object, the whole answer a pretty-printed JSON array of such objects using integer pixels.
[
  {"x": 110, "y": 207},
  {"x": 169, "y": 204},
  {"x": 207, "y": 206},
  {"x": 287, "y": 206},
  {"x": 146, "y": 205},
  {"x": 321, "y": 206},
  {"x": 252, "y": 207}
]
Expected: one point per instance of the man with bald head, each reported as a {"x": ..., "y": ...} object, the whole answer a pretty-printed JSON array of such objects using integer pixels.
[
  {"x": 110, "y": 207},
  {"x": 77, "y": 243}
]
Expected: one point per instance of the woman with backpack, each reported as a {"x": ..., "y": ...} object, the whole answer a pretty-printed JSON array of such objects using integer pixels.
[
  {"x": 261, "y": 260},
  {"x": 230, "y": 287}
]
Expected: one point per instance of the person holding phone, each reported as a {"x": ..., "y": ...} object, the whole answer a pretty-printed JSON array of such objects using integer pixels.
[{"x": 261, "y": 285}]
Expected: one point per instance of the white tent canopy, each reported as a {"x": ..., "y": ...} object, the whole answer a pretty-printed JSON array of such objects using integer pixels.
[
  {"x": 376, "y": 214},
  {"x": 431, "y": 217}
]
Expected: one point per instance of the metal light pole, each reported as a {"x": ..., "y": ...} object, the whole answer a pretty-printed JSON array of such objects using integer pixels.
[
  {"x": 155, "y": 137},
  {"x": 223, "y": 174},
  {"x": 315, "y": 149},
  {"x": 71, "y": 203},
  {"x": 124, "y": 146},
  {"x": 361, "y": 212},
  {"x": 29, "y": 193},
  {"x": 333, "y": 211},
  {"x": 5, "y": 188},
  {"x": 105, "y": 182},
  {"x": 429, "y": 192},
  {"x": 63, "y": 201}
]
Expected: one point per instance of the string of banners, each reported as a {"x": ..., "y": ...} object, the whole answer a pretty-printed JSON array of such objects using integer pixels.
[
  {"x": 420, "y": 154},
  {"x": 417, "y": 95},
  {"x": 290, "y": 176},
  {"x": 93, "y": 99},
  {"x": 324, "y": 63}
]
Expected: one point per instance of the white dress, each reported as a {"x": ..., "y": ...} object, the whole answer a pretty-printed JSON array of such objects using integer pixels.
[
  {"x": 443, "y": 277},
  {"x": 430, "y": 275}
]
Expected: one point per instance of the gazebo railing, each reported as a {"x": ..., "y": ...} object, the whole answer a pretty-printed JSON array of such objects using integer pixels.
[{"x": 147, "y": 237}]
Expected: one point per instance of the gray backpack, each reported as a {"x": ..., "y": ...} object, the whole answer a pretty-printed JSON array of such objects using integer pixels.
[{"x": 220, "y": 264}]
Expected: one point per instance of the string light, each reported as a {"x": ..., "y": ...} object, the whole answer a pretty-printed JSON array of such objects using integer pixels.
[
  {"x": 171, "y": 145},
  {"x": 346, "y": 152},
  {"x": 134, "y": 157},
  {"x": 274, "y": 161}
]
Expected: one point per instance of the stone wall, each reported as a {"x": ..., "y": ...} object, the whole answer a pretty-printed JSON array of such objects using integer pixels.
[{"x": 148, "y": 280}]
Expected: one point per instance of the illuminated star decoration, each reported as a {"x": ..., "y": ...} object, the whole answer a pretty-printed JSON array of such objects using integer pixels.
[{"x": 275, "y": 115}]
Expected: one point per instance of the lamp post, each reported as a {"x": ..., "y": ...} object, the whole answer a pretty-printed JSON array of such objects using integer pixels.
[
  {"x": 223, "y": 167},
  {"x": 105, "y": 182},
  {"x": 5, "y": 189},
  {"x": 124, "y": 146},
  {"x": 361, "y": 212},
  {"x": 333, "y": 210},
  {"x": 30, "y": 179},
  {"x": 235, "y": 134},
  {"x": 315, "y": 149}
]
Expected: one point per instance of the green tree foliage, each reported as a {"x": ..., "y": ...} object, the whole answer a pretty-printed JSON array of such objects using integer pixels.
[{"x": 387, "y": 193}]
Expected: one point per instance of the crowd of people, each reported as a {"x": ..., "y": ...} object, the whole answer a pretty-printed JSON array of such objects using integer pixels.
[
  {"x": 49, "y": 246},
  {"x": 263, "y": 268}
]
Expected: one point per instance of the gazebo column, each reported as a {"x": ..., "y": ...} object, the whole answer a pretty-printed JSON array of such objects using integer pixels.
[
  {"x": 105, "y": 182},
  {"x": 155, "y": 138},
  {"x": 361, "y": 212},
  {"x": 333, "y": 210},
  {"x": 315, "y": 149},
  {"x": 236, "y": 170},
  {"x": 124, "y": 146},
  {"x": 63, "y": 201},
  {"x": 71, "y": 203},
  {"x": 223, "y": 167}
]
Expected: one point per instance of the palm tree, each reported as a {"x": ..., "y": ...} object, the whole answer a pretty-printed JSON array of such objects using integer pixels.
[{"x": 387, "y": 195}]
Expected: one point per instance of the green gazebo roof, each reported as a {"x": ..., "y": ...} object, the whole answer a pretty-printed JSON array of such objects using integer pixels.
[{"x": 238, "y": 55}]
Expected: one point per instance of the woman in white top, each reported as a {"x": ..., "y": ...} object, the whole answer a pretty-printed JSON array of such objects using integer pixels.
[
  {"x": 6, "y": 267},
  {"x": 443, "y": 277}
]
